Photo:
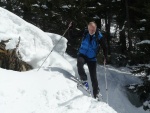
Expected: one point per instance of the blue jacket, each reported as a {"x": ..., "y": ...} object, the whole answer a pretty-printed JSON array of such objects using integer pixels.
[{"x": 89, "y": 46}]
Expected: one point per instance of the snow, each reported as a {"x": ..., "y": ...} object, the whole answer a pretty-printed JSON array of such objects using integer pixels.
[
  {"x": 33, "y": 40},
  {"x": 35, "y": 5},
  {"x": 99, "y": 3},
  {"x": 44, "y": 6},
  {"x": 144, "y": 42},
  {"x": 91, "y": 7},
  {"x": 61, "y": 46},
  {"x": 46, "y": 14},
  {"x": 142, "y": 28},
  {"x": 44, "y": 92},
  {"x": 96, "y": 17},
  {"x": 149, "y": 77},
  {"x": 117, "y": 80},
  {"x": 143, "y": 20},
  {"x": 35, "y": 45},
  {"x": 66, "y": 6},
  {"x": 146, "y": 103},
  {"x": 131, "y": 87}
]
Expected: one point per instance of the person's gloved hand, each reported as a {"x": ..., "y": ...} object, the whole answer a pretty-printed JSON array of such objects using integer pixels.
[
  {"x": 105, "y": 60},
  {"x": 70, "y": 24}
]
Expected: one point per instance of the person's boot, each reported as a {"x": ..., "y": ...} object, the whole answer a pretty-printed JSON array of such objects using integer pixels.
[
  {"x": 85, "y": 84},
  {"x": 97, "y": 95}
]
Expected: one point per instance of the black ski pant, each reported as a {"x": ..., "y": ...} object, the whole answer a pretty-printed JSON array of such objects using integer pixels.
[{"x": 81, "y": 60}]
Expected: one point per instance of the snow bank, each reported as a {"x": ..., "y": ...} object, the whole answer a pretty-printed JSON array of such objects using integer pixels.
[
  {"x": 33, "y": 40},
  {"x": 44, "y": 92},
  {"x": 60, "y": 41},
  {"x": 35, "y": 44}
]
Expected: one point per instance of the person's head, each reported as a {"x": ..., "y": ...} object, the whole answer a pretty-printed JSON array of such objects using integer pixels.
[{"x": 92, "y": 28}]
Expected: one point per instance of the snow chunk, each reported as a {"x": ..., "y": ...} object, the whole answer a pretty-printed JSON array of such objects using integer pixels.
[
  {"x": 35, "y": 5},
  {"x": 44, "y": 7},
  {"x": 91, "y": 7},
  {"x": 143, "y": 20},
  {"x": 144, "y": 42},
  {"x": 46, "y": 14},
  {"x": 66, "y": 6},
  {"x": 60, "y": 41},
  {"x": 96, "y": 17},
  {"x": 131, "y": 87},
  {"x": 99, "y": 3},
  {"x": 142, "y": 28},
  {"x": 149, "y": 77},
  {"x": 146, "y": 103}
]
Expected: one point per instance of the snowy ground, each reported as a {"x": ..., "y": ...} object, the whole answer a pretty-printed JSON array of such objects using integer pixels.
[
  {"x": 44, "y": 92},
  {"x": 53, "y": 89}
]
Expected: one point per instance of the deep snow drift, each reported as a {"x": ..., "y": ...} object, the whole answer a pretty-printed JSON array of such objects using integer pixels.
[{"x": 35, "y": 44}]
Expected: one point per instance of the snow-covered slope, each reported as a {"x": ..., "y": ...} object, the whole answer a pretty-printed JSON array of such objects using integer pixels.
[{"x": 44, "y": 92}]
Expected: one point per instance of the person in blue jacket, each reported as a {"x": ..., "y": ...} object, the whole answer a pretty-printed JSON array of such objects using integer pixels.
[{"x": 87, "y": 54}]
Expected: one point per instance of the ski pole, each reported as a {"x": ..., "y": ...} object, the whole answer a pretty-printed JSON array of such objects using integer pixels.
[
  {"x": 55, "y": 46},
  {"x": 106, "y": 84}
]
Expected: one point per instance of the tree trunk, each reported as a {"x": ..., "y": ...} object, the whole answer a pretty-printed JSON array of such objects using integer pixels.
[
  {"x": 123, "y": 41},
  {"x": 100, "y": 24},
  {"x": 128, "y": 25}
]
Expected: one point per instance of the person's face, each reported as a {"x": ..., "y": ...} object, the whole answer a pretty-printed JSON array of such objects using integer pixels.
[{"x": 92, "y": 29}]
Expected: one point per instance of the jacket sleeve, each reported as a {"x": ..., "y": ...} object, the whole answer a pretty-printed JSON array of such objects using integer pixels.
[{"x": 104, "y": 46}]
